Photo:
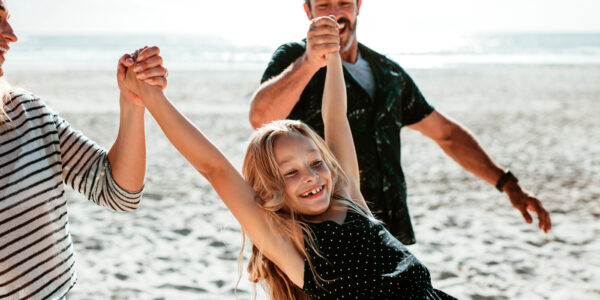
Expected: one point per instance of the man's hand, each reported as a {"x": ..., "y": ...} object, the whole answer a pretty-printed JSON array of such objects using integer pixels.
[
  {"x": 322, "y": 39},
  {"x": 525, "y": 202},
  {"x": 146, "y": 66}
]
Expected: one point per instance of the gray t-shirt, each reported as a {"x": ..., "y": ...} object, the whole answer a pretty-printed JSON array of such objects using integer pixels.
[{"x": 361, "y": 72}]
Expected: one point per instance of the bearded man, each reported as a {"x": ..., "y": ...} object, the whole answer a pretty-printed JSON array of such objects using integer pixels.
[{"x": 382, "y": 99}]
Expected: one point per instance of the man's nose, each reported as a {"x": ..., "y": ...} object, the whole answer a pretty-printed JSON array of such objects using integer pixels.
[{"x": 336, "y": 11}]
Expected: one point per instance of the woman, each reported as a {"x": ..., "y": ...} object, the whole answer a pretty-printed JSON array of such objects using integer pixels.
[
  {"x": 40, "y": 153},
  {"x": 300, "y": 204}
]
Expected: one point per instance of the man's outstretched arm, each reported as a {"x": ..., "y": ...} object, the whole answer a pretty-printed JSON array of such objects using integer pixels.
[
  {"x": 458, "y": 143},
  {"x": 275, "y": 98}
]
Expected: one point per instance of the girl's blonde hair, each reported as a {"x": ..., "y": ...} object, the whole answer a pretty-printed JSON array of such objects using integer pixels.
[
  {"x": 5, "y": 90},
  {"x": 262, "y": 172}
]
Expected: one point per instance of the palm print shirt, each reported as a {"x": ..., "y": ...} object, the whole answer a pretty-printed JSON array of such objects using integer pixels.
[{"x": 375, "y": 124}]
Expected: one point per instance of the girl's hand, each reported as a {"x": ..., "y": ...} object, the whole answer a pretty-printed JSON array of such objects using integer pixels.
[{"x": 144, "y": 64}]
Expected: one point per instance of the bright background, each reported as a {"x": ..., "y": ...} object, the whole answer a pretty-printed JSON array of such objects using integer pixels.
[{"x": 272, "y": 22}]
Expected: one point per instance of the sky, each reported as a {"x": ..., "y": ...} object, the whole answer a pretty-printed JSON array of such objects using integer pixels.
[{"x": 268, "y": 22}]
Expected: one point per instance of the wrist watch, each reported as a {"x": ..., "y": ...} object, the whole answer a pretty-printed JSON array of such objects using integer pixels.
[{"x": 508, "y": 175}]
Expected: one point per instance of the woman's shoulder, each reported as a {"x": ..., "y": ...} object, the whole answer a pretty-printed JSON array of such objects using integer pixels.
[
  {"x": 26, "y": 100},
  {"x": 21, "y": 97}
]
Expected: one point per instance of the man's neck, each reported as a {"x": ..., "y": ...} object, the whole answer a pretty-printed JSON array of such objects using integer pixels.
[{"x": 351, "y": 55}]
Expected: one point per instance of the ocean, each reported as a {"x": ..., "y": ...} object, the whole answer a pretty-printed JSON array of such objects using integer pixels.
[{"x": 83, "y": 52}]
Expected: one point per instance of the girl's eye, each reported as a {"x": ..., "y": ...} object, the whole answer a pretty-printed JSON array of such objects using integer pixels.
[
  {"x": 290, "y": 173},
  {"x": 317, "y": 163}
]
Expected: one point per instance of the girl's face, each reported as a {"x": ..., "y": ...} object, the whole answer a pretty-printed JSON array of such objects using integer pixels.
[
  {"x": 307, "y": 177},
  {"x": 7, "y": 35}
]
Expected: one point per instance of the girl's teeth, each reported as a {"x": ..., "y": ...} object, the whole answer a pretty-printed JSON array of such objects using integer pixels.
[{"x": 312, "y": 192}]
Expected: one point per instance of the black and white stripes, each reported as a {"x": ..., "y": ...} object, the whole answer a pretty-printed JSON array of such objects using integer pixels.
[{"x": 38, "y": 152}]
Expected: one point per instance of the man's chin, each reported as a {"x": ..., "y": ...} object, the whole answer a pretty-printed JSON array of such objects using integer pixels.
[{"x": 348, "y": 44}]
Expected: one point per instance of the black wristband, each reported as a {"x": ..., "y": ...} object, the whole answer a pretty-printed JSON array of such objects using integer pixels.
[{"x": 508, "y": 175}]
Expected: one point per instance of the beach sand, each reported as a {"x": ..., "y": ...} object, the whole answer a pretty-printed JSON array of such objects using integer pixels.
[{"x": 182, "y": 243}]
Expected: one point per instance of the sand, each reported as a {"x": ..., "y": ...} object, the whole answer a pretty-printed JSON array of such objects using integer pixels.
[{"x": 182, "y": 243}]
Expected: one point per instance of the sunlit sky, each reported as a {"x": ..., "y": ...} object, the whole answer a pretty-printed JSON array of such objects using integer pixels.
[{"x": 268, "y": 22}]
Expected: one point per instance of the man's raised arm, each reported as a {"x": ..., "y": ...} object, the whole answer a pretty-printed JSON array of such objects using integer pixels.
[{"x": 275, "y": 98}]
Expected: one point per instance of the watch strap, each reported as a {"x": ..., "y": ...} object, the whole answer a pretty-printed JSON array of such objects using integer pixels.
[{"x": 508, "y": 175}]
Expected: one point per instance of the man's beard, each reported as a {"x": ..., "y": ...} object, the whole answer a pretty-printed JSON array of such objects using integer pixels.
[{"x": 351, "y": 29}]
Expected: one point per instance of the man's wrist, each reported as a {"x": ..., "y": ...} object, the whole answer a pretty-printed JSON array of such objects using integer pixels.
[
  {"x": 512, "y": 187},
  {"x": 507, "y": 179}
]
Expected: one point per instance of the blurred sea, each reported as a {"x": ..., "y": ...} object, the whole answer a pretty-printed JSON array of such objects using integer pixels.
[{"x": 83, "y": 52}]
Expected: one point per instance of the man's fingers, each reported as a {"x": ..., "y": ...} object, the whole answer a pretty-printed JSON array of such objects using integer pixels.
[
  {"x": 318, "y": 21},
  {"x": 324, "y": 27},
  {"x": 326, "y": 48},
  {"x": 323, "y": 39},
  {"x": 153, "y": 61},
  {"x": 546, "y": 217},
  {"x": 148, "y": 52},
  {"x": 525, "y": 214},
  {"x": 323, "y": 30},
  {"x": 543, "y": 215},
  {"x": 546, "y": 226},
  {"x": 548, "y": 222},
  {"x": 539, "y": 210}
]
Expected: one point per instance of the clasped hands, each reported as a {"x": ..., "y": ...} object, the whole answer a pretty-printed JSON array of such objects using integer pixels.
[{"x": 141, "y": 72}]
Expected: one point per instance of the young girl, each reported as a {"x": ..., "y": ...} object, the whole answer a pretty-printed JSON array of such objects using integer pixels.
[{"x": 300, "y": 203}]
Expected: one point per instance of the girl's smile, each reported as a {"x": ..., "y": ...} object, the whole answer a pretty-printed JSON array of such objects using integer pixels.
[{"x": 307, "y": 177}]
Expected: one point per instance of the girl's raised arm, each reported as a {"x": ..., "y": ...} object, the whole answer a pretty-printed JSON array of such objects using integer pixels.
[
  {"x": 229, "y": 184},
  {"x": 338, "y": 135}
]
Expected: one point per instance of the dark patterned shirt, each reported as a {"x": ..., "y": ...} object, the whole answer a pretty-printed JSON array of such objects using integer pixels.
[
  {"x": 375, "y": 124},
  {"x": 360, "y": 259}
]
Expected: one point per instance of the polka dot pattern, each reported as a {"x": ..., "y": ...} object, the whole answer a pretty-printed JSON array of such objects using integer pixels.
[{"x": 362, "y": 260}]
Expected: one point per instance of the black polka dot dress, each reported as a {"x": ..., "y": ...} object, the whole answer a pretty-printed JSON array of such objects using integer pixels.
[{"x": 362, "y": 260}]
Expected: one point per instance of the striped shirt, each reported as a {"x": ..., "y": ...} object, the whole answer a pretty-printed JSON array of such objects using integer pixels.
[{"x": 39, "y": 152}]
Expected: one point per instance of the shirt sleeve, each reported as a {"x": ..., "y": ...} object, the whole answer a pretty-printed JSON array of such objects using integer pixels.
[
  {"x": 85, "y": 168},
  {"x": 414, "y": 106},
  {"x": 282, "y": 58}
]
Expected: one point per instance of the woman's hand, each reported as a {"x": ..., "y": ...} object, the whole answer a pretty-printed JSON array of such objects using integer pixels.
[{"x": 145, "y": 64}]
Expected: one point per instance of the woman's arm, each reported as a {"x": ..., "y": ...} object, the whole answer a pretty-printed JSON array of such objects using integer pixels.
[
  {"x": 229, "y": 184},
  {"x": 86, "y": 168},
  {"x": 127, "y": 156},
  {"x": 337, "y": 129},
  {"x": 112, "y": 179}
]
